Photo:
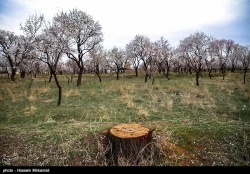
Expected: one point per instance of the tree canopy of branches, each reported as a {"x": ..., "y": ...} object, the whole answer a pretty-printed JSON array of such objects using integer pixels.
[
  {"x": 83, "y": 34},
  {"x": 141, "y": 49},
  {"x": 97, "y": 60},
  {"x": 49, "y": 44},
  {"x": 116, "y": 59},
  {"x": 245, "y": 59},
  {"x": 164, "y": 55},
  {"x": 222, "y": 49},
  {"x": 194, "y": 49},
  {"x": 14, "y": 49}
]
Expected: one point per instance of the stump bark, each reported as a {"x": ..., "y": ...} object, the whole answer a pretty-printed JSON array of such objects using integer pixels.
[{"x": 128, "y": 142}]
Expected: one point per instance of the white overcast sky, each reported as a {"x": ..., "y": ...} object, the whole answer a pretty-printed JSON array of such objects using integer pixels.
[{"x": 121, "y": 20}]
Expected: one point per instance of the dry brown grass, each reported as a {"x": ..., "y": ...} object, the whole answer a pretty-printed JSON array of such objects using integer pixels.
[
  {"x": 30, "y": 110},
  {"x": 169, "y": 103},
  {"x": 112, "y": 87},
  {"x": 127, "y": 96},
  {"x": 15, "y": 95},
  {"x": 48, "y": 101},
  {"x": 50, "y": 120},
  {"x": 71, "y": 92},
  {"x": 105, "y": 117},
  {"x": 198, "y": 97},
  {"x": 245, "y": 89},
  {"x": 142, "y": 113},
  {"x": 36, "y": 92},
  {"x": 124, "y": 88},
  {"x": 128, "y": 100},
  {"x": 92, "y": 92}
]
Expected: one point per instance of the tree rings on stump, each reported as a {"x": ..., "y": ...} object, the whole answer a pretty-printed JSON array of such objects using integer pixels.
[
  {"x": 129, "y": 142},
  {"x": 129, "y": 131}
]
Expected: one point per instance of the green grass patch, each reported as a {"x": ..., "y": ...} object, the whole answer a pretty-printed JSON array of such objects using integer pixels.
[{"x": 193, "y": 125}]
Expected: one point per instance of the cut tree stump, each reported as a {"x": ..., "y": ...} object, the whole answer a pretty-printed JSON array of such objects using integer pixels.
[{"x": 128, "y": 142}]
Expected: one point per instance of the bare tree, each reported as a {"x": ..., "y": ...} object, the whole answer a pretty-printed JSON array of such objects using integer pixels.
[
  {"x": 194, "y": 48},
  {"x": 153, "y": 64},
  {"x": 14, "y": 48},
  {"x": 83, "y": 35},
  {"x": 31, "y": 65},
  {"x": 97, "y": 58},
  {"x": 141, "y": 49},
  {"x": 210, "y": 64},
  {"x": 178, "y": 62},
  {"x": 49, "y": 44},
  {"x": 132, "y": 56},
  {"x": 234, "y": 56},
  {"x": 164, "y": 55},
  {"x": 244, "y": 59},
  {"x": 71, "y": 66},
  {"x": 51, "y": 48},
  {"x": 116, "y": 58},
  {"x": 223, "y": 49},
  {"x": 211, "y": 60},
  {"x": 32, "y": 28}
]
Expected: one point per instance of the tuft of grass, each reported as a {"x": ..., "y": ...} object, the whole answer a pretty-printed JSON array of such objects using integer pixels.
[
  {"x": 72, "y": 92},
  {"x": 142, "y": 113},
  {"x": 30, "y": 110}
]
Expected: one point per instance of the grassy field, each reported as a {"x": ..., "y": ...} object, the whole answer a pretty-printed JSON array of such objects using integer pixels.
[{"x": 208, "y": 125}]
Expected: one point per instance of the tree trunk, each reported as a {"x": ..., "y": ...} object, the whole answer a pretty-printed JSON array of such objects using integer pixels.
[
  {"x": 166, "y": 75},
  {"x": 168, "y": 69},
  {"x": 197, "y": 78},
  {"x": 136, "y": 72},
  {"x": 71, "y": 78},
  {"x": 79, "y": 79},
  {"x": 59, "y": 89},
  {"x": 13, "y": 73},
  {"x": 190, "y": 71},
  {"x": 223, "y": 74},
  {"x": 245, "y": 73},
  {"x": 153, "y": 80},
  {"x": 129, "y": 142},
  {"x": 159, "y": 70},
  {"x": 99, "y": 77},
  {"x": 209, "y": 74},
  {"x": 7, "y": 71},
  {"x": 146, "y": 77},
  {"x": 117, "y": 75},
  {"x": 233, "y": 69},
  {"x": 22, "y": 74},
  {"x": 223, "y": 70},
  {"x": 68, "y": 79},
  {"x": 50, "y": 77}
]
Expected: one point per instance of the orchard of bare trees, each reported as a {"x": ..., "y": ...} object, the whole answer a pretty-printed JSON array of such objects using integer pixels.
[{"x": 76, "y": 36}]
